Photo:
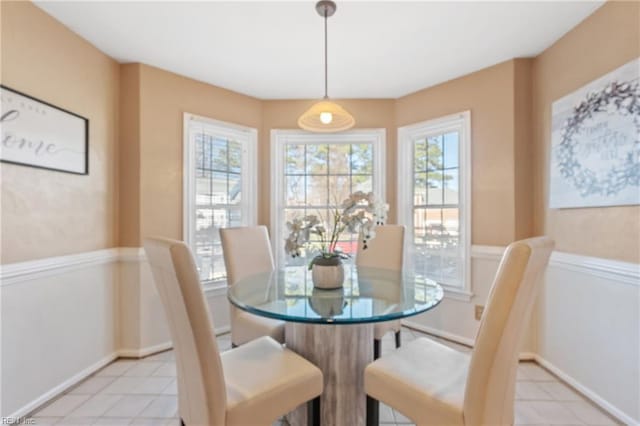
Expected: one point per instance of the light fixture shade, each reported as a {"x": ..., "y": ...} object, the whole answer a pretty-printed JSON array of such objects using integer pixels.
[{"x": 340, "y": 118}]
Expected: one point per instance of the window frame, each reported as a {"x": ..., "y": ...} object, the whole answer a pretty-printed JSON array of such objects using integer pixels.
[
  {"x": 248, "y": 139},
  {"x": 280, "y": 137},
  {"x": 406, "y": 136}
]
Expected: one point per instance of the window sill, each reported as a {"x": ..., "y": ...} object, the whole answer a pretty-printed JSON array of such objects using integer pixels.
[
  {"x": 456, "y": 293},
  {"x": 214, "y": 287}
]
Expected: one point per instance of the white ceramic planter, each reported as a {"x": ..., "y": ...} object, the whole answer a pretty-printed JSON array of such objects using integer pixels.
[{"x": 327, "y": 277}]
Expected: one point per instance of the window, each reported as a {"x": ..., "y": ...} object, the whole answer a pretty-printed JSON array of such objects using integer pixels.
[
  {"x": 434, "y": 171},
  {"x": 219, "y": 188},
  {"x": 314, "y": 173}
]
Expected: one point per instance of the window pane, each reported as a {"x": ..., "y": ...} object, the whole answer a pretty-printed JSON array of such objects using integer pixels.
[
  {"x": 434, "y": 153},
  {"x": 295, "y": 190},
  {"x": 339, "y": 189},
  {"x": 235, "y": 217},
  {"x": 420, "y": 189},
  {"x": 420, "y": 155},
  {"x": 317, "y": 191},
  {"x": 434, "y": 192},
  {"x": 203, "y": 189},
  {"x": 450, "y": 220},
  {"x": 317, "y": 159},
  {"x": 206, "y": 151},
  {"x": 235, "y": 188},
  {"x": 294, "y": 159},
  {"x": 339, "y": 162},
  {"x": 450, "y": 186},
  {"x": 361, "y": 159},
  {"x": 235, "y": 156},
  {"x": 220, "y": 220},
  {"x": 219, "y": 154},
  {"x": 219, "y": 188},
  {"x": 450, "y": 148},
  {"x": 199, "y": 160},
  {"x": 362, "y": 183}
]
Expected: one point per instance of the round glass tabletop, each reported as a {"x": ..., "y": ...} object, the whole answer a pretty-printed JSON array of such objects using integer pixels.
[{"x": 368, "y": 295}]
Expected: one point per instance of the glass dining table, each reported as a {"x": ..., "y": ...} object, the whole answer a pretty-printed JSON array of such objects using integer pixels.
[{"x": 334, "y": 328}]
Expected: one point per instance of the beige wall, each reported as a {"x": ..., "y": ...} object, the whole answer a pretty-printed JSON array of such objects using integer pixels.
[
  {"x": 161, "y": 98},
  {"x": 604, "y": 41},
  {"x": 523, "y": 149},
  {"x": 129, "y": 157},
  {"x": 46, "y": 213},
  {"x": 490, "y": 96}
]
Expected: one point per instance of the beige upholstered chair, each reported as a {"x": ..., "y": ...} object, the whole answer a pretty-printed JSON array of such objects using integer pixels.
[
  {"x": 385, "y": 251},
  {"x": 251, "y": 385},
  {"x": 247, "y": 252},
  {"x": 435, "y": 385}
]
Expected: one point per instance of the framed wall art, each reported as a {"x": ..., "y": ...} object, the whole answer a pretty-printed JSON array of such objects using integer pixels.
[
  {"x": 38, "y": 134},
  {"x": 595, "y": 143}
]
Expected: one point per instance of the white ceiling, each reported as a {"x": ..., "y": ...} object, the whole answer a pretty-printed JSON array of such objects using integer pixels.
[{"x": 274, "y": 50}]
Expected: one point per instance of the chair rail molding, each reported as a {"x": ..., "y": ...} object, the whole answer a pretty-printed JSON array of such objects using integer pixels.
[
  {"x": 13, "y": 273},
  {"x": 614, "y": 270}
]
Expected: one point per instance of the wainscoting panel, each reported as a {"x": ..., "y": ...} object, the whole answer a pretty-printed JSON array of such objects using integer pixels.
[
  {"x": 58, "y": 325},
  {"x": 65, "y": 317},
  {"x": 589, "y": 330}
]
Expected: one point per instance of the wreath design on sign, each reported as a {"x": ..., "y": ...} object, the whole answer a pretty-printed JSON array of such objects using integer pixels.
[{"x": 615, "y": 98}]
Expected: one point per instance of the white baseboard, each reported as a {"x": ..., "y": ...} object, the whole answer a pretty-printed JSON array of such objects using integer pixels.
[
  {"x": 524, "y": 356},
  {"x": 150, "y": 350},
  {"x": 528, "y": 356},
  {"x": 142, "y": 352},
  {"x": 439, "y": 333},
  {"x": 222, "y": 330},
  {"x": 586, "y": 392},
  {"x": 62, "y": 387}
]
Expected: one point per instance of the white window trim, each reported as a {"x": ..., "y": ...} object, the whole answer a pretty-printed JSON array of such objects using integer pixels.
[
  {"x": 406, "y": 136},
  {"x": 279, "y": 138},
  {"x": 249, "y": 177}
]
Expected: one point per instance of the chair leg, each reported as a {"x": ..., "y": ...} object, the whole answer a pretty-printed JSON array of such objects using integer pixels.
[
  {"x": 233, "y": 345},
  {"x": 313, "y": 412},
  {"x": 398, "y": 339},
  {"x": 377, "y": 344},
  {"x": 373, "y": 411}
]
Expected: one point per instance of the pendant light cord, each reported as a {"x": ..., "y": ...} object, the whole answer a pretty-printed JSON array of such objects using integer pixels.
[{"x": 326, "y": 79}]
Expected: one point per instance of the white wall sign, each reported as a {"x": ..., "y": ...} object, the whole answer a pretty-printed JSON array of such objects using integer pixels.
[
  {"x": 38, "y": 134},
  {"x": 595, "y": 142}
]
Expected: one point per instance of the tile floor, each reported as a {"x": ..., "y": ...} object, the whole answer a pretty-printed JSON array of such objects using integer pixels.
[{"x": 143, "y": 392}]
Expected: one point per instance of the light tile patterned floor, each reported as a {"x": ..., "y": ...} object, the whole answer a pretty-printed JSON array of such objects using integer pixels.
[{"x": 143, "y": 392}]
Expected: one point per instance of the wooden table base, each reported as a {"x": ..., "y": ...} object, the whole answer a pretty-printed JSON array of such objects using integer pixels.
[{"x": 341, "y": 352}]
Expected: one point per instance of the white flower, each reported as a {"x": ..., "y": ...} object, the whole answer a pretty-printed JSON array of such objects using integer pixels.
[{"x": 360, "y": 212}]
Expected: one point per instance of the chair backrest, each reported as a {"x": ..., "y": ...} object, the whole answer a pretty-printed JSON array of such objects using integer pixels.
[
  {"x": 385, "y": 251},
  {"x": 247, "y": 251},
  {"x": 201, "y": 386},
  {"x": 491, "y": 380}
]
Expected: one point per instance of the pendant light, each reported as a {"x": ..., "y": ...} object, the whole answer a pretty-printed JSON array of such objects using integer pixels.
[{"x": 326, "y": 116}]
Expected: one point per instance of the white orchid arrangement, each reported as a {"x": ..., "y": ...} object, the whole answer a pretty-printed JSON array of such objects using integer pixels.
[{"x": 361, "y": 212}]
